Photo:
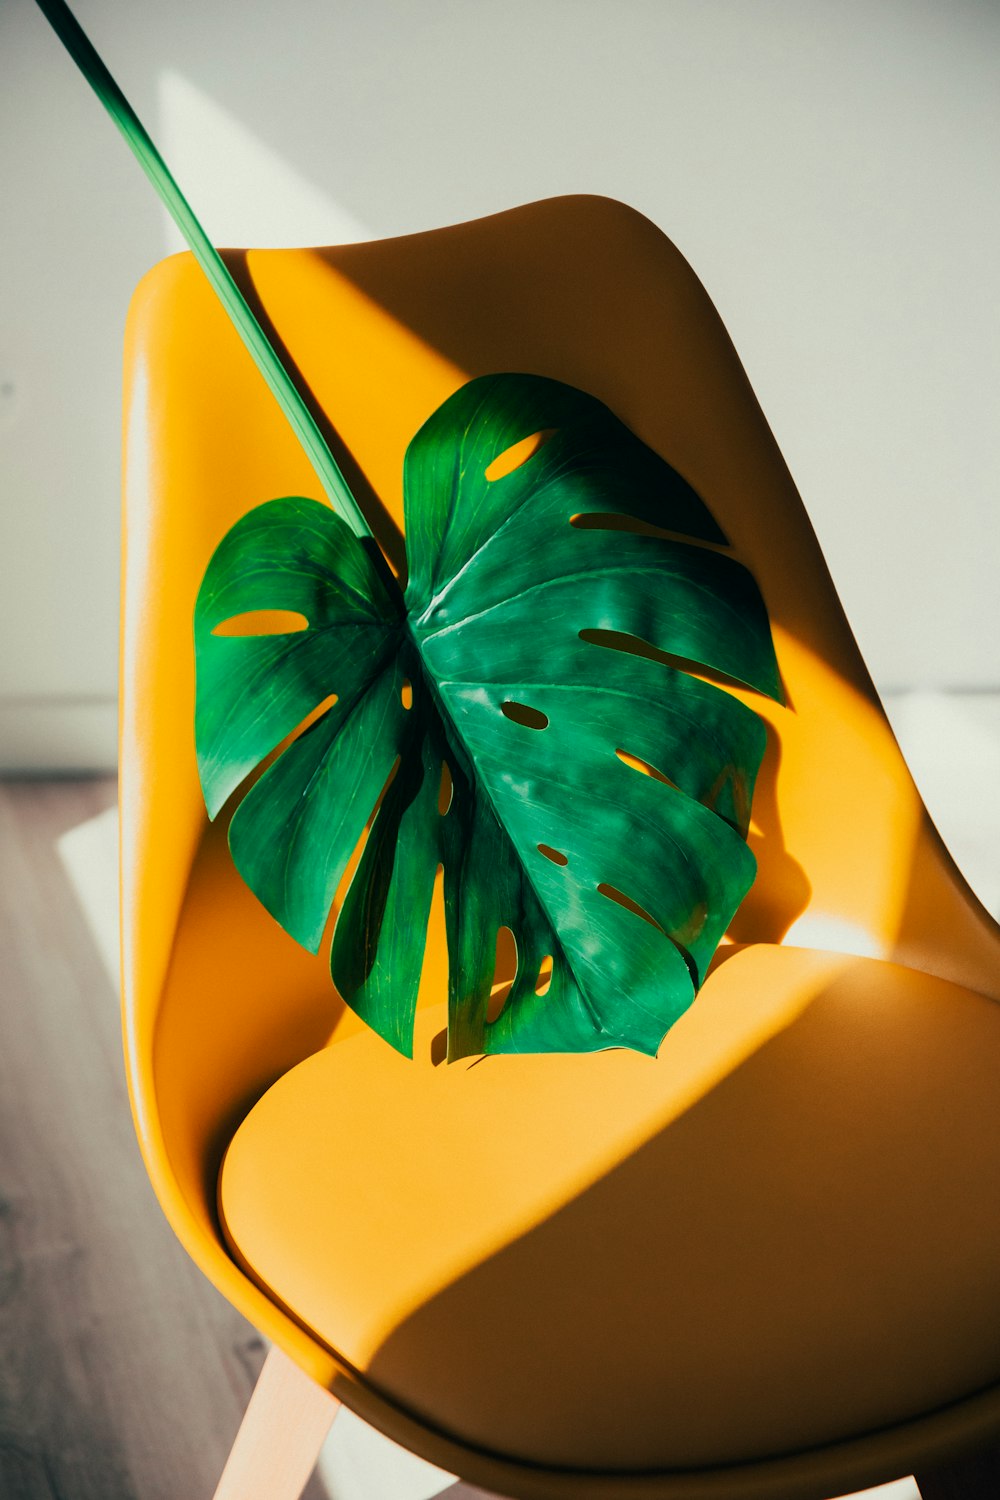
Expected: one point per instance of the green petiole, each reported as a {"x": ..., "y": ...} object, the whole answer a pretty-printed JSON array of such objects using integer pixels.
[{"x": 83, "y": 53}]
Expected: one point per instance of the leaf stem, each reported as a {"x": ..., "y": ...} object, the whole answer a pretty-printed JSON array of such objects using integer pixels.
[{"x": 303, "y": 424}]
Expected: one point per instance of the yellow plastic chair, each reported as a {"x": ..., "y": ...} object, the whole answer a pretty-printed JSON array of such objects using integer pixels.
[{"x": 764, "y": 1264}]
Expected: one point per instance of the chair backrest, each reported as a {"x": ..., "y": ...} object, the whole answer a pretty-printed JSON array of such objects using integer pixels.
[{"x": 591, "y": 293}]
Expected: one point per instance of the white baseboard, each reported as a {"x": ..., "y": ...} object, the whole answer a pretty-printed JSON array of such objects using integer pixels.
[{"x": 54, "y": 736}]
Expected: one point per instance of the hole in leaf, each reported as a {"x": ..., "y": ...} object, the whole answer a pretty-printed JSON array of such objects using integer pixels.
[
  {"x": 238, "y": 793},
  {"x": 393, "y": 773},
  {"x": 612, "y": 521},
  {"x": 633, "y": 645},
  {"x": 300, "y": 728},
  {"x": 316, "y": 713},
  {"x": 521, "y": 713},
  {"x": 446, "y": 790},
  {"x": 613, "y": 894},
  {"x": 366, "y": 958},
  {"x": 517, "y": 454},
  {"x": 544, "y": 979},
  {"x": 593, "y": 520},
  {"x": 556, "y": 856},
  {"x": 263, "y": 622},
  {"x": 643, "y": 767},
  {"x": 504, "y": 972},
  {"x": 406, "y": 693}
]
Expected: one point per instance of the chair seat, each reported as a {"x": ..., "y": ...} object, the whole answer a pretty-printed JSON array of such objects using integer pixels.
[{"x": 783, "y": 1231}]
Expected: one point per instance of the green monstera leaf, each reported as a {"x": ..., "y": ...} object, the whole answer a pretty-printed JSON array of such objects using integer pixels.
[
  {"x": 501, "y": 665},
  {"x": 507, "y": 663}
]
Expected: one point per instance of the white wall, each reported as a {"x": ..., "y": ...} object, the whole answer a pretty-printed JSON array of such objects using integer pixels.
[{"x": 828, "y": 166}]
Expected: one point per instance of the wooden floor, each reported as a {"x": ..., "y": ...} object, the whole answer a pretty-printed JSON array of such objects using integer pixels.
[{"x": 123, "y": 1374}]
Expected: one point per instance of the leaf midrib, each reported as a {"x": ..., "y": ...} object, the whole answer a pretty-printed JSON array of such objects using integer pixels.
[{"x": 621, "y": 568}]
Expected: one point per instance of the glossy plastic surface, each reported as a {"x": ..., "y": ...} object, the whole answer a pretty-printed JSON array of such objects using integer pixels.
[{"x": 220, "y": 1004}]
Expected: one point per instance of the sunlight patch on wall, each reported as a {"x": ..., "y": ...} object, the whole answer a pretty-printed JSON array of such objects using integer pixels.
[
  {"x": 831, "y": 934},
  {"x": 244, "y": 192}
]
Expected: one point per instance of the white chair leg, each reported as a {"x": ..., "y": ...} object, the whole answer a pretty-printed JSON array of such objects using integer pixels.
[{"x": 280, "y": 1436}]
